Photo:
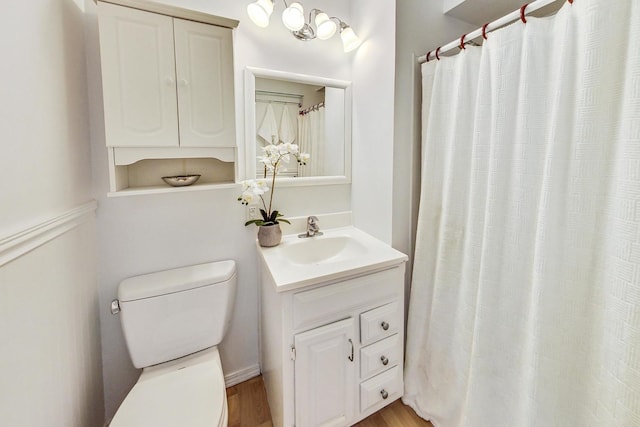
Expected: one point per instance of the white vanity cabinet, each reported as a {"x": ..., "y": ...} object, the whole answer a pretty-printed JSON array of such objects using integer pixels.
[{"x": 332, "y": 352}]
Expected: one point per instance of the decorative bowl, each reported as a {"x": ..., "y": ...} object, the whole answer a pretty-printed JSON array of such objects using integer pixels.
[{"x": 180, "y": 180}]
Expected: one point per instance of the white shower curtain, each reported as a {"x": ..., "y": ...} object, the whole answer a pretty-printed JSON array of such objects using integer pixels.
[
  {"x": 525, "y": 299},
  {"x": 311, "y": 136}
]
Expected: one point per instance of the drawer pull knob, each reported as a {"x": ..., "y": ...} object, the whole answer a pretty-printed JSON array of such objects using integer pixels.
[
  {"x": 384, "y": 393},
  {"x": 384, "y": 360},
  {"x": 351, "y": 356},
  {"x": 384, "y": 325}
]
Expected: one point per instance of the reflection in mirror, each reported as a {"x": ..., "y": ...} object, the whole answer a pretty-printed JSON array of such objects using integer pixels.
[
  {"x": 313, "y": 113},
  {"x": 297, "y": 113}
]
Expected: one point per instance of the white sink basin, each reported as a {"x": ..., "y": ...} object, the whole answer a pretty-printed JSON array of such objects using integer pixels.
[
  {"x": 317, "y": 249},
  {"x": 339, "y": 253}
]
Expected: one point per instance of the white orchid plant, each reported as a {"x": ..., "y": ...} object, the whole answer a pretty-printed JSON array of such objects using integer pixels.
[{"x": 275, "y": 158}]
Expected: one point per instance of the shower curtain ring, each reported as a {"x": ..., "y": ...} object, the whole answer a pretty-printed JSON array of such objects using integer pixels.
[
  {"x": 438, "y": 53},
  {"x": 462, "y": 47},
  {"x": 428, "y": 53},
  {"x": 484, "y": 31},
  {"x": 522, "y": 10}
]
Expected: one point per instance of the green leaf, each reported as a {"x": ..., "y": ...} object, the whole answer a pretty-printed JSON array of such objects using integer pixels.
[
  {"x": 284, "y": 220},
  {"x": 257, "y": 222}
]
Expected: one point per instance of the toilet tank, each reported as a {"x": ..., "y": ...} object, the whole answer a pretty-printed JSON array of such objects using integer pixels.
[{"x": 173, "y": 313}]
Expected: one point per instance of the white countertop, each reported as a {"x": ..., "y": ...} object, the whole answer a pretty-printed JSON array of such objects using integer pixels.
[{"x": 297, "y": 263}]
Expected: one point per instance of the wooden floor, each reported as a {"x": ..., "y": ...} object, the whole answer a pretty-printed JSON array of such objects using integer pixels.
[
  {"x": 394, "y": 415},
  {"x": 248, "y": 407}
]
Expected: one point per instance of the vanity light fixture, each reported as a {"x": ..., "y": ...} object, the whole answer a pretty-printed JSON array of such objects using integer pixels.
[
  {"x": 350, "y": 40},
  {"x": 293, "y": 18},
  {"x": 260, "y": 11}
]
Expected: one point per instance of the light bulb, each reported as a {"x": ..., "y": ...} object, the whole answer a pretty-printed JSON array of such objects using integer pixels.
[
  {"x": 350, "y": 40},
  {"x": 260, "y": 12},
  {"x": 293, "y": 17},
  {"x": 325, "y": 27}
]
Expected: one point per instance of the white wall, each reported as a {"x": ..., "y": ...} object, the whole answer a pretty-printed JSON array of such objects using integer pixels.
[
  {"x": 421, "y": 26},
  {"x": 141, "y": 234},
  {"x": 50, "y": 359},
  {"x": 373, "y": 94},
  {"x": 43, "y": 109}
]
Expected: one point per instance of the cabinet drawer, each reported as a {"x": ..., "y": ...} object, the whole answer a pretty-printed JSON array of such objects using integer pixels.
[
  {"x": 379, "y": 356},
  {"x": 381, "y": 388},
  {"x": 316, "y": 305},
  {"x": 380, "y": 322}
]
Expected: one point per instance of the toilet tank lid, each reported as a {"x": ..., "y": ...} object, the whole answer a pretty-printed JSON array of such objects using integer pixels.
[{"x": 175, "y": 280}]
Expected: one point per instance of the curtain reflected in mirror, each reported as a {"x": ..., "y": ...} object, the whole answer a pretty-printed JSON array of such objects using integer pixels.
[
  {"x": 312, "y": 138},
  {"x": 310, "y": 116}
]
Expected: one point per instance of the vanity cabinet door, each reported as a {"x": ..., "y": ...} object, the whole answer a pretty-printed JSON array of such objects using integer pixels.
[
  {"x": 204, "y": 71},
  {"x": 325, "y": 375},
  {"x": 138, "y": 77}
]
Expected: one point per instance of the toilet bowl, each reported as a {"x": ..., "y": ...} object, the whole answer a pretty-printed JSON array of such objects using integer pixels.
[
  {"x": 173, "y": 321},
  {"x": 187, "y": 392}
]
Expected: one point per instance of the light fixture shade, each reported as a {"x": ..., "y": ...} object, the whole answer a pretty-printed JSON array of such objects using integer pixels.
[
  {"x": 293, "y": 17},
  {"x": 325, "y": 27},
  {"x": 260, "y": 12},
  {"x": 350, "y": 40}
]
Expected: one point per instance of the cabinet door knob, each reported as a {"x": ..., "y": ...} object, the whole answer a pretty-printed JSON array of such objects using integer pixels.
[
  {"x": 384, "y": 360},
  {"x": 170, "y": 81},
  {"x": 184, "y": 82},
  {"x": 384, "y": 393},
  {"x": 350, "y": 357},
  {"x": 384, "y": 325}
]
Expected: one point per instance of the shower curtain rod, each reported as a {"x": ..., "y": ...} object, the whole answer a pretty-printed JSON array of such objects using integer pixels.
[
  {"x": 262, "y": 101},
  {"x": 513, "y": 16},
  {"x": 282, "y": 94}
]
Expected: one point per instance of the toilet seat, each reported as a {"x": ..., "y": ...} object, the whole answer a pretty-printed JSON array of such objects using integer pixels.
[{"x": 187, "y": 392}]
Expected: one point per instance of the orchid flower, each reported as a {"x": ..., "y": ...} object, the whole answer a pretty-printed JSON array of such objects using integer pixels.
[{"x": 274, "y": 158}]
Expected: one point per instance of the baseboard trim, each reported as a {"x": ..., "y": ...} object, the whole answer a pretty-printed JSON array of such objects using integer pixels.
[
  {"x": 28, "y": 239},
  {"x": 242, "y": 375}
]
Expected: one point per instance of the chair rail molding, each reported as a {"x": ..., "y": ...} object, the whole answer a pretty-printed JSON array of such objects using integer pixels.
[{"x": 28, "y": 239}]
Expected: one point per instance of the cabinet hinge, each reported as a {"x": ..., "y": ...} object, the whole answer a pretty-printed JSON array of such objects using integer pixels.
[{"x": 293, "y": 353}]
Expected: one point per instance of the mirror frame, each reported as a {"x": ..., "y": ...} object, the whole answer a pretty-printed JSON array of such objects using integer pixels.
[{"x": 250, "y": 128}]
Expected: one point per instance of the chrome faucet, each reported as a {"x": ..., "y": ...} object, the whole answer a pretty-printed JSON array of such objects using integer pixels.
[{"x": 312, "y": 228}]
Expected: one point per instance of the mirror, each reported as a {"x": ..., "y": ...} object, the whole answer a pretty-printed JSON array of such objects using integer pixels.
[{"x": 312, "y": 112}]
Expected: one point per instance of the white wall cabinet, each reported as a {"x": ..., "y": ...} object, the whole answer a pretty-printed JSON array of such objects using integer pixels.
[
  {"x": 168, "y": 87},
  {"x": 167, "y": 82},
  {"x": 332, "y": 353}
]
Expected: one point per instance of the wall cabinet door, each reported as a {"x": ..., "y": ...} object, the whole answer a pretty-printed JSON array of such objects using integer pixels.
[
  {"x": 204, "y": 69},
  {"x": 138, "y": 77},
  {"x": 325, "y": 375}
]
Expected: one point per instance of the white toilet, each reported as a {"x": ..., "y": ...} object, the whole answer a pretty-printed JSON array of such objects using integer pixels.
[{"x": 172, "y": 322}]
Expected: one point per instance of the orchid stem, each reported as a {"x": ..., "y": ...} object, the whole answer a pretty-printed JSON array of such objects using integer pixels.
[
  {"x": 264, "y": 205},
  {"x": 273, "y": 185}
]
